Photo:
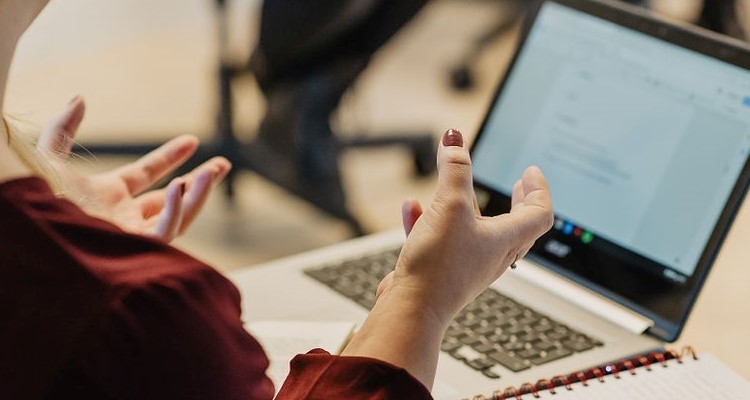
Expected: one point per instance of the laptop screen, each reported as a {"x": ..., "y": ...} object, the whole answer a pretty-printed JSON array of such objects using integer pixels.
[{"x": 643, "y": 142}]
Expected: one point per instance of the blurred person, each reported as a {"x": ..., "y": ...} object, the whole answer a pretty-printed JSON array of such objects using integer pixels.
[{"x": 309, "y": 53}]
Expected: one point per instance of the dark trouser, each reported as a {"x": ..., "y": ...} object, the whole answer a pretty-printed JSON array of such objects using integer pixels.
[
  {"x": 300, "y": 37},
  {"x": 308, "y": 54}
]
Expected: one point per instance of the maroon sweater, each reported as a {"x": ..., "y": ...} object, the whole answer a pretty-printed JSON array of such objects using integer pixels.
[{"x": 90, "y": 311}]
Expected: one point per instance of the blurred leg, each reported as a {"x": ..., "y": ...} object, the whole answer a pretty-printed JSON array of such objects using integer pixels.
[
  {"x": 308, "y": 55},
  {"x": 722, "y": 16}
]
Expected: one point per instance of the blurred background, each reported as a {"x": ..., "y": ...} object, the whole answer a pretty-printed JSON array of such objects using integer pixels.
[{"x": 148, "y": 71}]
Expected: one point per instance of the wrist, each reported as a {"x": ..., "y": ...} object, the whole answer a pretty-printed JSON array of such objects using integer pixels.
[
  {"x": 402, "y": 331},
  {"x": 415, "y": 303}
]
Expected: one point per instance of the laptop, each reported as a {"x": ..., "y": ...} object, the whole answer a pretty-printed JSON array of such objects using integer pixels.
[{"x": 642, "y": 128}]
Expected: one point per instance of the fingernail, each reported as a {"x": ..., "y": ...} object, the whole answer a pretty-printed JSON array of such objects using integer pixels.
[
  {"x": 453, "y": 137},
  {"x": 183, "y": 187},
  {"x": 73, "y": 100}
]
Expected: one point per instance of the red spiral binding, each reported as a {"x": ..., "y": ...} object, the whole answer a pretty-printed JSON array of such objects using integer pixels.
[
  {"x": 630, "y": 366},
  {"x": 531, "y": 388},
  {"x": 547, "y": 385},
  {"x": 615, "y": 370},
  {"x": 647, "y": 362},
  {"x": 564, "y": 380}
]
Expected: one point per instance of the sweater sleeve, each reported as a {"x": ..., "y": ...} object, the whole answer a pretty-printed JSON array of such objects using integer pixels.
[
  {"x": 179, "y": 338},
  {"x": 320, "y": 375}
]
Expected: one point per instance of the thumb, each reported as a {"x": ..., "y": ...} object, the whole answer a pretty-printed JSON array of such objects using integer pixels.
[
  {"x": 57, "y": 136},
  {"x": 455, "y": 184},
  {"x": 411, "y": 210}
]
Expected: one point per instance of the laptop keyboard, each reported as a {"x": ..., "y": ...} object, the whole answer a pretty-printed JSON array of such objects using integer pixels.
[{"x": 493, "y": 330}]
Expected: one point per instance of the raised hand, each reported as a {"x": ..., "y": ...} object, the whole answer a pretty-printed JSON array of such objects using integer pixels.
[
  {"x": 450, "y": 256},
  {"x": 453, "y": 253},
  {"x": 122, "y": 196}
]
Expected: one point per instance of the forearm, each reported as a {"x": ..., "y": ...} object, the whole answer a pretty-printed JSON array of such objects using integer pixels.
[{"x": 401, "y": 332}]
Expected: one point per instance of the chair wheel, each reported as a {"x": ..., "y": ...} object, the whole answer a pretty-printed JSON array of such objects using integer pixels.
[{"x": 462, "y": 79}]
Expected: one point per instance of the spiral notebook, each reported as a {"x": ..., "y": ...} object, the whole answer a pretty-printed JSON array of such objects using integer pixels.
[{"x": 655, "y": 376}]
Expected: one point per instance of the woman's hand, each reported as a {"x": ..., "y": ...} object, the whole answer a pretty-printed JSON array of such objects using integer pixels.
[
  {"x": 120, "y": 196},
  {"x": 452, "y": 252},
  {"x": 451, "y": 255}
]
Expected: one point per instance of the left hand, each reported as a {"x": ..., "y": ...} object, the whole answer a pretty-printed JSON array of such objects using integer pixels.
[
  {"x": 120, "y": 196},
  {"x": 452, "y": 252}
]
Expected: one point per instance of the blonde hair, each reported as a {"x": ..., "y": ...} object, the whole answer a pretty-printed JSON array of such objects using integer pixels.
[{"x": 27, "y": 152}]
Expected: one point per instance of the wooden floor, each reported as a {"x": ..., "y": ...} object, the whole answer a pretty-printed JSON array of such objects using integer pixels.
[{"x": 147, "y": 71}]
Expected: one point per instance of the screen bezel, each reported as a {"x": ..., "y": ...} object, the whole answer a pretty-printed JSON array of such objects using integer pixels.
[{"x": 666, "y": 327}]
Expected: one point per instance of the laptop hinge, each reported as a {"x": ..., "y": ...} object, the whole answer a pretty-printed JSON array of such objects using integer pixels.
[{"x": 583, "y": 297}]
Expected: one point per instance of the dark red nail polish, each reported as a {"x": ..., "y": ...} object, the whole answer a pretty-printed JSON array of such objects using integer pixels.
[
  {"x": 453, "y": 137},
  {"x": 183, "y": 187}
]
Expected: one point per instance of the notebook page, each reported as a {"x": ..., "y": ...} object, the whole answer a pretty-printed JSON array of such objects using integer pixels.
[
  {"x": 282, "y": 340},
  {"x": 706, "y": 378}
]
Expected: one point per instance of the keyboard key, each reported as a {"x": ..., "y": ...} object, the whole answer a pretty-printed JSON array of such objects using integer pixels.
[
  {"x": 481, "y": 363},
  {"x": 471, "y": 340},
  {"x": 577, "y": 345},
  {"x": 450, "y": 347},
  {"x": 484, "y": 347},
  {"x": 528, "y": 353},
  {"x": 508, "y": 361},
  {"x": 499, "y": 339},
  {"x": 515, "y": 329},
  {"x": 492, "y": 372},
  {"x": 485, "y": 330},
  {"x": 467, "y": 353},
  {"x": 551, "y": 356},
  {"x": 514, "y": 346},
  {"x": 541, "y": 328},
  {"x": 544, "y": 345}
]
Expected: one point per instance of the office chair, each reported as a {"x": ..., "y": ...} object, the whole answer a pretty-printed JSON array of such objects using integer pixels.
[{"x": 314, "y": 85}]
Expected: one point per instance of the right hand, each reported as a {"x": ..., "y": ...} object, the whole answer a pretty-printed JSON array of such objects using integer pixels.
[
  {"x": 452, "y": 253},
  {"x": 122, "y": 196}
]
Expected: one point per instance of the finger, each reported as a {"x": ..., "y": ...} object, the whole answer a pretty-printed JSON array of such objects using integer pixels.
[
  {"x": 531, "y": 216},
  {"x": 535, "y": 189},
  {"x": 411, "y": 210},
  {"x": 454, "y": 171},
  {"x": 152, "y": 203},
  {"x": 200, "y": 182},
  {"x": 196, "y": 196},
  {"x": 57, "y": 136},
  {"x": 220, "y": 165},
  {"x": 147, "y": 170},
  {"x": 170, "y": 219}
]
